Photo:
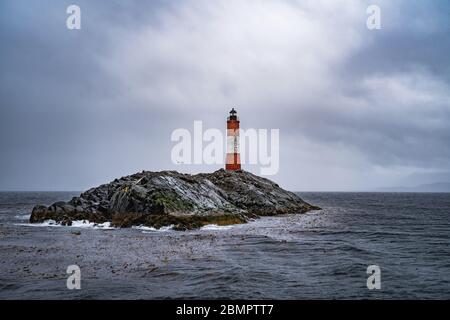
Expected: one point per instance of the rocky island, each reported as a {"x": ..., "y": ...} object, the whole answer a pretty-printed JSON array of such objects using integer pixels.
[{"x": 157, "y": 199}]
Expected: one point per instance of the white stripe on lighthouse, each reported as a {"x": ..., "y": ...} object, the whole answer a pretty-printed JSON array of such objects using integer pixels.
[{"x": 233, "y": 144}]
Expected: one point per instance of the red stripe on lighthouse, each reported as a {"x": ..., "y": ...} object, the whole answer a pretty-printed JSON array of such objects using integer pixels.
[{"x": 233, "y": 160}]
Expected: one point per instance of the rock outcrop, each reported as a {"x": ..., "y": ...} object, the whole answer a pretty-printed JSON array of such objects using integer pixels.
[{"x": 185, "y": 201}]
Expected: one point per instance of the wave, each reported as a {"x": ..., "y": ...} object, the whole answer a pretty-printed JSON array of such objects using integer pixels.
[
  {"x": 146, "y": 229},
  {"x": 25, "y": 216},
  {"x": 215, "y": 227},
  {"x": 75, "y": 224}
]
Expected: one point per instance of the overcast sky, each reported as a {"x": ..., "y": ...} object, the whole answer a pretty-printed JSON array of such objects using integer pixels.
[{"x": 357, "y": 109}]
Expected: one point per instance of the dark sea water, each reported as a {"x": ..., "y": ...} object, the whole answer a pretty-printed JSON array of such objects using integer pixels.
[{"x": 322, "y": 254}]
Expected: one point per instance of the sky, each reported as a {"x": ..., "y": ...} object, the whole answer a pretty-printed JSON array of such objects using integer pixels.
[{"x": 357, "y": 109}]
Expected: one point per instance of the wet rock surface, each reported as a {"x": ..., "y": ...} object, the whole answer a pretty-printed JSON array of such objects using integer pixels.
[{"x": 158, "y": 199}]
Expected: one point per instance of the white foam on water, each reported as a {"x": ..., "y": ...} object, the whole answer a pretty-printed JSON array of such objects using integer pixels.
[
  {"x": 75, "y": 224},
  {"x": 214, "y": 227},
  {"x": 46, "y": 223},
  {"x": 145, "y": 229},
  {"x": 314, "y": 212},
  {"x": 25, "y": 216},
  {"x": 87, "y": 224}
]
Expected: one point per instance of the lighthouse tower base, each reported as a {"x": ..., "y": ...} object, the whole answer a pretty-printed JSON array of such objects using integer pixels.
[{"x": 233, "y": 162}]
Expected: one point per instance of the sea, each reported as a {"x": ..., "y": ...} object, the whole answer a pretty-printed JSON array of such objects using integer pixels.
[{"x": 326, "y": 254}]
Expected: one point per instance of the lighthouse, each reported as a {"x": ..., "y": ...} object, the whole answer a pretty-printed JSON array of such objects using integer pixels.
[{"x": 233, "y": 161}]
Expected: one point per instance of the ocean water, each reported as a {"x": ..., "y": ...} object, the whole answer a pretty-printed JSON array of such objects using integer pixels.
[{"x": 320, "y": 255}]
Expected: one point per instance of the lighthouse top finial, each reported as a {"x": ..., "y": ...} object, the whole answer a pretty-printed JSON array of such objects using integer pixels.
[{"x": 233, "y": 115}]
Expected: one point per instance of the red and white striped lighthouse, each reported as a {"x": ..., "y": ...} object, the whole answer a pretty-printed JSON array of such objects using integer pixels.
[{"x": 233, "y": 161}]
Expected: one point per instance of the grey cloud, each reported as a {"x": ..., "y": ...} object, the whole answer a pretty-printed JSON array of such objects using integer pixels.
[{"x": 356, "y": 109}]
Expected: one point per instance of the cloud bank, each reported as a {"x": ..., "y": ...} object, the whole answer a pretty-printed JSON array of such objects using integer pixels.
[{"x": 357, "y": 109}]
